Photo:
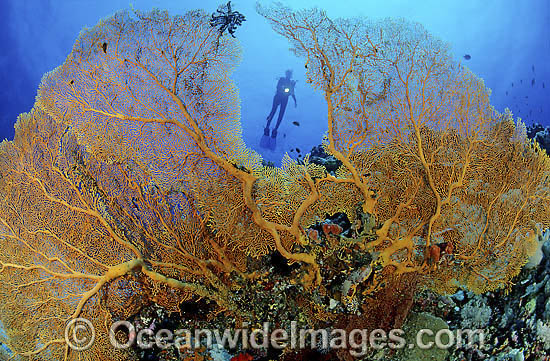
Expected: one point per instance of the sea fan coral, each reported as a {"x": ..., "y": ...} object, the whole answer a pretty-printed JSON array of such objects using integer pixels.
[{"x": 129, "y": 184}]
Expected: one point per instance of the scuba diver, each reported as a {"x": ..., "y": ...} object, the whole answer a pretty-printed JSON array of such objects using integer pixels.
[{"x": 285, "y": 88}]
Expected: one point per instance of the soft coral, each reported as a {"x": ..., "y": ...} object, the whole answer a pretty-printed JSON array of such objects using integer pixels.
[{"x": 242, "y": 357}]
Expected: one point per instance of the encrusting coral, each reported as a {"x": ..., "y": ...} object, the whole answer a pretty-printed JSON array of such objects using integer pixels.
[{"x": 129, "y": 183}]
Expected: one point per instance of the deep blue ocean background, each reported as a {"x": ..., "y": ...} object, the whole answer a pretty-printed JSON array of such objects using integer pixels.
[{"x": 508, "y": 41}]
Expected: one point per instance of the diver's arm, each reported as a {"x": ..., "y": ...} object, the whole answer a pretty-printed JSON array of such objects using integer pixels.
[{"x": 292, "y": 93}]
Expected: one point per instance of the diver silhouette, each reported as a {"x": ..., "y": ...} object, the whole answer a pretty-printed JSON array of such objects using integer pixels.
[{"x": 285, "y": 88}]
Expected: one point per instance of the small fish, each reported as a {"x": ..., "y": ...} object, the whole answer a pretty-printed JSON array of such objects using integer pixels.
[
  {"x": 298, "y": 150},
  {"x": 296, "y": 123},
  {"x": 512, "y": 85},
  {"x": 506, "y": 92},
  {"x": 104, "y": 47},
  {"x": 543, "y": 85},
  {"x": 521, "y": 81},
  {"x": 533, "y": 68},
  {"x": 532, "y": 81},
  {"x": 467, "y": 56},
  {"x": 292, "y": 150},
  {"x": 284, "y": 135}
]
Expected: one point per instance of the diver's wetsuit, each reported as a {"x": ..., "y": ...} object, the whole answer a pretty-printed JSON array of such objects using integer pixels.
[{"x": 285, "y": 88}]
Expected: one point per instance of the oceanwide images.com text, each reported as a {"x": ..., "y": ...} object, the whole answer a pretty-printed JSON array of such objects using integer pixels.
[{"x": 80, "y": 336}]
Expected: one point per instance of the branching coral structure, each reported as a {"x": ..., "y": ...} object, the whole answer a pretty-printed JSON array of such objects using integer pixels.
[{"x": 129, "y": 182}]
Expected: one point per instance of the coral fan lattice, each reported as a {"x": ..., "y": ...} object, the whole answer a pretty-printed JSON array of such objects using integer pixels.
[{"x": 129, "y": 182}]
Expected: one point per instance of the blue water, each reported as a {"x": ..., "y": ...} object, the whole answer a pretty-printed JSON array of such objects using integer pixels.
[{"x": 508, "y": 41}]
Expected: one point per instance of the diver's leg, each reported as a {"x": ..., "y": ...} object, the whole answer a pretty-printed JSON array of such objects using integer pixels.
[
  {"x": 284, "y": 101},
  {"x": 273, "y": 110}
]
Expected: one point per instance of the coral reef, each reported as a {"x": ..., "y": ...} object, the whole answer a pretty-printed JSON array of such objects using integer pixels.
[
  {"x": 129, "y": 194},
  {"x": 540, "y": 134},
  {"x": 516, "y": 329}
]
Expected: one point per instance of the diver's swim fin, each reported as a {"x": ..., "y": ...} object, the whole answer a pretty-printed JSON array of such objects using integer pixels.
[
  {"x": 273, "y": 139},
  {"x": 264, "y": 142},
  {"x": 272, "y": 142}
]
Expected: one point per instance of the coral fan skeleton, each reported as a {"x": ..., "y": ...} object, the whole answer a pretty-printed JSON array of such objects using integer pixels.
[{"x": 129, "y": 184}]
